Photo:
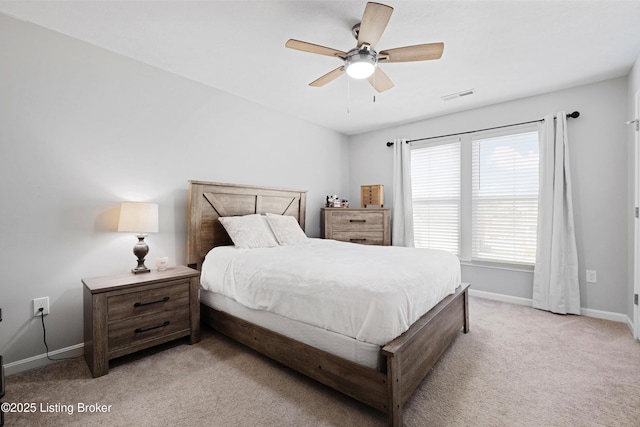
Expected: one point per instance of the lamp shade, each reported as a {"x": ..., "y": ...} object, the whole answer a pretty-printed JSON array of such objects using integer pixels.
[{"x": 138, "y": 217}]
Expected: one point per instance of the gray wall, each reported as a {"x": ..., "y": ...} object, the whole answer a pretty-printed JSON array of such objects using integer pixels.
[
  {"x": 634, "y": 88},
  {"x": 82, "y": 129},
  {"x": 598, "y": 157}
]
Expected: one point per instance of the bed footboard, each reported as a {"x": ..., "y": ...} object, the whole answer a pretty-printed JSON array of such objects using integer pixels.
[
  {"x": 413, "y": 354},
  {"x": 408, "y": 358},
  {"x": 367, "y": 385}
]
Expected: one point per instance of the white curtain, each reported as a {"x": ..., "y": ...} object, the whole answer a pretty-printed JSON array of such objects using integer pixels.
[
  {"x": 555, "y": 278},
  {"x": 402, "y": 211}
]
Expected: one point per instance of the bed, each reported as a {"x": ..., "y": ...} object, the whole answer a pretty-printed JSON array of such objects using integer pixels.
[{"x": 399, "y": 365}]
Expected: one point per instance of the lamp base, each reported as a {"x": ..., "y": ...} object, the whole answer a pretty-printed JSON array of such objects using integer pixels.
[
  {"x": 140, "y": 250},
  {"x": 140, "y": 270}
]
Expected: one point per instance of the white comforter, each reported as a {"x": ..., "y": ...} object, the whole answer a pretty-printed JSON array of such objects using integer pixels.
[{"x": 370, "y": 293}]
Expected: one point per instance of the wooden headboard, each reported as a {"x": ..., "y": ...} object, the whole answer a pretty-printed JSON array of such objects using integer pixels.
[{"x": 210, "y": 200}]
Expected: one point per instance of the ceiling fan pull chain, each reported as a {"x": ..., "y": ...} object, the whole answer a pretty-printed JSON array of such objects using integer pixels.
[{"x": 373, "y": 88}]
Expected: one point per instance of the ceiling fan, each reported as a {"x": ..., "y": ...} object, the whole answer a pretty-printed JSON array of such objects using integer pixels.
[{"x": 362, "y": 61}]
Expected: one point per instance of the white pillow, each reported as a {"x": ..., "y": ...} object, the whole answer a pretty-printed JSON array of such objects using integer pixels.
[
  {"x": 248, "y": 232},
  {"x": 286, "y": 229}
]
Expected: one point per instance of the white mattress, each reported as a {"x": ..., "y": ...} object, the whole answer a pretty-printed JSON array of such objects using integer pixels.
[
  {"x": 348, "y": 348},
  {"x": 368, "y": 293}
]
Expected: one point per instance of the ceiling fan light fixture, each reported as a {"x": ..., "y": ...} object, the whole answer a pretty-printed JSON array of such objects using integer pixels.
[
  {"x": 360, "y": 63},
  {"x": 360, "y": 70}
]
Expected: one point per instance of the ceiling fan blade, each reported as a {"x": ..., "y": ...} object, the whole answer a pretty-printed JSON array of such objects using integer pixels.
[
  {"x": 314, "y": 48},
  {"x": 380, "y": 81},
  {"x": 328, "y": 78},
  {"x": 419, "y": 52},
  {"x": 374, "y": 21}
]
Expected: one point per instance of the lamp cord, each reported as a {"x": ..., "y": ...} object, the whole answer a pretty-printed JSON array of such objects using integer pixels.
[{"x": 44, "y": 339}]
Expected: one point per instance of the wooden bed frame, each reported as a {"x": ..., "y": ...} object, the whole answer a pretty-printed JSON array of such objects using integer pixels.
[{"x": 405, "y": 361}]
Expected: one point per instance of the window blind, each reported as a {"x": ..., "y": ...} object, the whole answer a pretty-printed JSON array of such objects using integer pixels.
[
  {"x": 435, "y": 185},
  {"x": 505, "y": 198}
]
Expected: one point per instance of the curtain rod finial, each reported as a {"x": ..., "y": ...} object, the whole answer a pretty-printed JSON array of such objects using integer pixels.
[
  {"x": 574, "y": 115},
  {"x": 389, "y": 144}
]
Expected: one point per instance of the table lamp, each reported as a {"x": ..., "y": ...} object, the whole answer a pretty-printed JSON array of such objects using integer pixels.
[{"x": 139, "y": 218}]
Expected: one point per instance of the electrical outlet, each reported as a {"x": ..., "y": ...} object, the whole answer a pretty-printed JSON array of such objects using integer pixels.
[
  {"x": 591, "y": 276},
  {"x": 39, "y": 303}
]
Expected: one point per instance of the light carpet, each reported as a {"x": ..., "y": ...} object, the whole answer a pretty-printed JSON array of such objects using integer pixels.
[{"x": 516, "y": 367}]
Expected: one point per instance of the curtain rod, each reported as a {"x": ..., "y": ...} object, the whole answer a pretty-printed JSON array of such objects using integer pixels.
[{"x": 573, "y": 115}]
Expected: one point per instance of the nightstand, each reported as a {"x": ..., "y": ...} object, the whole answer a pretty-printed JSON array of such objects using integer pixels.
[
  {"x": 129, "y": 312},
  {"x": 369, "y": 226}
]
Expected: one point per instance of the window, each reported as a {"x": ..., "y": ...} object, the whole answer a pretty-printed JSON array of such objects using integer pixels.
[
  {"x": 477, "y": 196},
  {"x": 435, "y": 186},
  {"x": 504, "y": 202}
]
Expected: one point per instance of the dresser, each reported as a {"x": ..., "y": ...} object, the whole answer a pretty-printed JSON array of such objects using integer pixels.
[
  {"x": 369, "y": 226},
  {"x": 129, "y": 312}
]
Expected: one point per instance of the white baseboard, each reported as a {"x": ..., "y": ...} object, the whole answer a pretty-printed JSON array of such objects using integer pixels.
[
  {"x": 41, "y": 359},
  {"x": 631, "y": 328},
  {"x": 500, "y": 297},
  {"x": 78, "y": 349},
  {"x": 589, "y": 312},
  {"x": 607, "y": 315}
]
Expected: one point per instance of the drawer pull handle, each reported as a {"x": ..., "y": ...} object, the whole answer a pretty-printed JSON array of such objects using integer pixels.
[
  {"x": 140, "y": 330},
  {"x": 358, "y": 240},
  {"x": 357, "y": 220},
  {"x": 142, "y": 304}
]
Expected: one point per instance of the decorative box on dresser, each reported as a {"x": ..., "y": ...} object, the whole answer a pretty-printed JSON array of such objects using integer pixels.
[
  {"x": 369, "y": 226},
  {"x": 129, "y": 312}
]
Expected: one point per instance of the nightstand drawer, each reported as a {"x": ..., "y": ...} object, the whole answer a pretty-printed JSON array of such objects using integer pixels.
[
  {"x": 362, "y": 237},
  {"x": 146, "y": 328},
  {"x": 166, "y": 298},
  {"x": 358, "y": 221}
]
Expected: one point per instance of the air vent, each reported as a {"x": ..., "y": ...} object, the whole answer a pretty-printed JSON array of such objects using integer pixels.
[{"x": 458, "y": 95}]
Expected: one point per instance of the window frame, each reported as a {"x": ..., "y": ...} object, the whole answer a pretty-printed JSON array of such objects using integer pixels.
[{"x": 466, "y": 196}]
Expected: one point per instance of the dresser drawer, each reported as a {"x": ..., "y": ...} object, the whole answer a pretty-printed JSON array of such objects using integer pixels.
[
  {"x": 133, "y": 304},
  {"x": 146, "y": 328},
  {"x": 362, "y": 237},
  {"x": 357, "y": 221}
]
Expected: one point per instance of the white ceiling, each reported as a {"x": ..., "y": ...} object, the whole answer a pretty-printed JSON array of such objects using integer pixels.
[{"x": 502, "y": 49}]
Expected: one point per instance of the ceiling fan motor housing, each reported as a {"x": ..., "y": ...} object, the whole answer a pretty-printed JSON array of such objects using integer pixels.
[{"x": 361, "y": 62}]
